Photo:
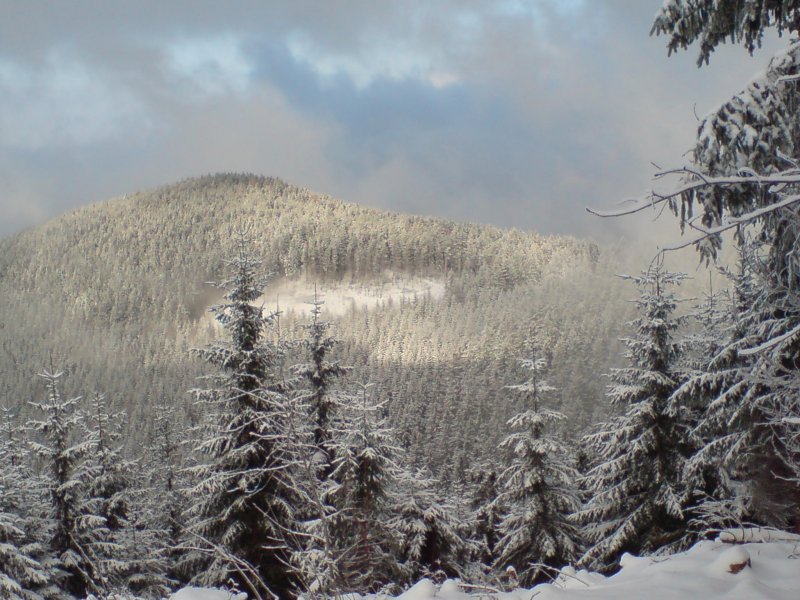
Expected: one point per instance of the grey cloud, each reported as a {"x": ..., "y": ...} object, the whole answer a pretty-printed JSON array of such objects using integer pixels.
[
  {"x": 62, "y": 102},
  {"x": 518, "y": 115}
]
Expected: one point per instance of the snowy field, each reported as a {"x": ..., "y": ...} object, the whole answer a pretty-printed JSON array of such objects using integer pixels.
[
  {"x": 754, "y": 566},
  {"x": 294, "y": 295}
]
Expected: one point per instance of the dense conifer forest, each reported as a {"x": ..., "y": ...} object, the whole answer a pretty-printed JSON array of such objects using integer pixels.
[
  {"x": 232, "y": 382},
  {"x": 117, "y": 293}
]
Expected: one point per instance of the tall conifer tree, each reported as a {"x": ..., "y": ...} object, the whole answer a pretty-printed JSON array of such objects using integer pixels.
[
  {"x": 245, "y": 499},
  {"x": 78, "y": 532},
  {"x": 745, "y": 174},
  {"x": 21, "y": 574},
  {"x": 539, "y": 487},
  {"x": 638, "y": 502}
]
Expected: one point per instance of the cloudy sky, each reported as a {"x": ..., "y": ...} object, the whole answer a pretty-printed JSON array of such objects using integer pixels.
[{"x": 510, "y": 112}]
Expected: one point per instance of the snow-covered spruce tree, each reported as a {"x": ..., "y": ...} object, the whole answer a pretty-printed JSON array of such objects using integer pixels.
[
  {"x": 364, "y": 472},
  {"x": 488, "y": 512},
  {"x": 539, "y": 487},
  {"x": 317, "y": 406},
  {"x": 21, "y": 574},
  {"x": 730, "y": 437},
  {"x": 243, "y": 511},
  {"x": 144, "y": 545},
  {"x": 755, "y": 130},
  {"x": 132, "y": 560},
  {"x": 316, "y": 559},
  {"x": 110, "y": 482},
  {"x": 163, "y": 506},
  {"x": 319, "y": 375},
  {"x": 702, "y": 347},
  {"x": 430, "y": 543},
  {"x": 637, "y": 499},
  {"x": 714, "y": 22},
  {"x": 765, "y": 421},
  {"x": 745, "y": 172},
  {"x": 457, "y": 486},
  {"x": 78, "y": 533},
  {"x": 108, "y": 487}
]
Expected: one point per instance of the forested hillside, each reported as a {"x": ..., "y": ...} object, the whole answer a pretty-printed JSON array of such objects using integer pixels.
[
  {"x": 409, "y": 400},
  {"x": 116, "y": 294}
]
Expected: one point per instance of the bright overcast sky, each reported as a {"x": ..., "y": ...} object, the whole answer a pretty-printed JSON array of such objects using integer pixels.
[{"x": 516, "y": 113}]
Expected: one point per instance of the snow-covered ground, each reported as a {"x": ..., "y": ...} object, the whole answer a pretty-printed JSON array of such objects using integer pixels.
[
  {"x": 193, "y": 593},
  {"x": 294, "y": 295},
  {"x": 750, "y": 565}
]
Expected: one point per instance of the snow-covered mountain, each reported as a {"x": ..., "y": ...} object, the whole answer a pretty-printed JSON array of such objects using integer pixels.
[{"x": 117, "y": 292}]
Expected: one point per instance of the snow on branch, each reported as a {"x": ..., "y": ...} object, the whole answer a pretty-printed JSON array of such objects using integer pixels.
[
  {"x": 732, "y": 222},
  {"x": 770, "y": 343},
  {"x": 697, "y": 180}
]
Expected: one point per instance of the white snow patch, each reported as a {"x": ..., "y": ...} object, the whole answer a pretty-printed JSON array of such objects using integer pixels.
[
  {"x": 194, "y": 593},
  {"x": 772, "y": 573},
  {"x": 449, "y": 587},
  {"x": 732, "y": 561},
  {"x": 295, "y": 295},
  {"x": 756, "y": 534},
  {"x": 422, "y": 590}
]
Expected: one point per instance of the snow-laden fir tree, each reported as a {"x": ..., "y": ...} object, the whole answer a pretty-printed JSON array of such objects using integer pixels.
[
  {"x": 488, "y": 511},
  {"x": 702, "y": 347},
  {"x": 364, "y": 473},
  {"x": 21, "y": 574},
  {"x": 110, "y": 482},
  {"x": 539, "y": 487},
  {"x": 326, "y": 560},
  {"x": 754, "y": 134},
  {"x": 108, "y": 485},
  {"x": 319, "y": 375},
  {"x": 145, "y": 547},
  {"x": 164, "y": 505},
  {"x": 638, "y": 503},
  {"x": 243, "y": 510},
  {"x": 430, "y": 541},
  {"x": 714, "y": 22},
  {"x": 745, "y": 172},
  {"x": 729, "y": 436},
  {"x": 132, "y": 557},
  {"x": 78, "y": 534},
  {"x": 769, "y": 347}
]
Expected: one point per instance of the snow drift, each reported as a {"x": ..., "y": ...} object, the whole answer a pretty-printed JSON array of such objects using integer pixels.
[{"x": 739, "y": 565}]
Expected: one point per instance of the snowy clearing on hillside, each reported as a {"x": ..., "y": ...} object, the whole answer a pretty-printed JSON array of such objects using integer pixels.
[
  {"x": 766, "y": 566},
  {"x": 295, "y": 295}
]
